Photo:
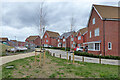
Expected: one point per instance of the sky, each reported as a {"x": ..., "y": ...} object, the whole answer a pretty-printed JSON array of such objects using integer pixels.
[{"x": 21, "y": 19}]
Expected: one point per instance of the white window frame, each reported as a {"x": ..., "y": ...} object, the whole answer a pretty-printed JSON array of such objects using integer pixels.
[
  {"x": 93, "y": 47},
  {"x": 63, "y": 40},
  {"x": 110, "y": 45},
  {"x": 97, "y": 32},
  {"x": 72, "y": 39},
  {"x": 79, "y": 45},
  {"x": 72, "y": 45},
  {"x": 64, "y": 45},
  {"x": 79, "y": 37},
  {"x": 46, "y": 40},
  {"x": 90, "y": 34},
  {"x": 58, "y": 40},
  {"x": 93, "y": 21},
  {"x": 45, "y": 36}
]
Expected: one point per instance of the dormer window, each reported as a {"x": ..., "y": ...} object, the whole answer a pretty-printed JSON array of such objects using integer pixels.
[{"x": 93, "y": 21}]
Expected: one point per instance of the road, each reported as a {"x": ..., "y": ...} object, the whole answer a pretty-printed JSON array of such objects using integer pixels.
[
  {"x": 6, "y": 59},
  {"x": 86, "y": 59}
]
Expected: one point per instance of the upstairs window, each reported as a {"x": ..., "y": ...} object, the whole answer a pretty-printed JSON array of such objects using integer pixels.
[
  {"x": 79, "y": 37},
  {"x": 90, "y": 34},
  {"x": 93, "y": 21},
  {"x": 46, "y": 40},
  {"x": 109, "y": 45},
  {"x": 97, "y": 32},
  {"x": 45, "y": 36},
  {"x": 58, "y": 40},
  {"x": 71, "y": 39},
  {"x": 63, "y": 40}
]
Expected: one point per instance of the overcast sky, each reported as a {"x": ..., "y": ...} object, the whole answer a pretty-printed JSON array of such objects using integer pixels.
[{"x": 21, "y": 19}]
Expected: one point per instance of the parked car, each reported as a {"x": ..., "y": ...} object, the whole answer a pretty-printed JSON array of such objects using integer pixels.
[{"x": 79, "y": 49}]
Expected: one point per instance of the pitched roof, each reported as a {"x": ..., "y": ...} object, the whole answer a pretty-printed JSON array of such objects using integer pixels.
[
  {"x": 66, "y": 35},
  {"x": 13, "y": 40},
  {"x": 3, "y": 39},
  {"x": 109, "y": 12},
  {"x": 83, "y": 30},
  {"x": 32, "y": 38},
  {"x": 52, "y": 34}
]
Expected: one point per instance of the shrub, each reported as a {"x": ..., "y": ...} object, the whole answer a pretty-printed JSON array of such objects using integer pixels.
[{"x": 96, "y": 56}]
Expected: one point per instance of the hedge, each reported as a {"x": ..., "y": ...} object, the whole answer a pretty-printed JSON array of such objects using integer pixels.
[
  {"x": 95, "y": 56},
  {"x": 67, "y": 49}
]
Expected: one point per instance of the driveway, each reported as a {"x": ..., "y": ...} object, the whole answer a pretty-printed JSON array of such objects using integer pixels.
[
  {"x": 7, "y": 59},
  {"x": 86, "y": 59}
]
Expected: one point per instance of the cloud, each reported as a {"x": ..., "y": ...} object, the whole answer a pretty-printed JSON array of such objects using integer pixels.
[{"x": 21, "y": 19}]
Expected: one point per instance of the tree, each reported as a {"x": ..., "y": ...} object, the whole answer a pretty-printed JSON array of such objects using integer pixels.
[
  {"x": 43, "y": 19},
  {"x": 72, "y": 23}
]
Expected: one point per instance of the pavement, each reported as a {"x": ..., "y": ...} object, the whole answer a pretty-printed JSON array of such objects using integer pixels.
[
  {"x": 80, "y": 58},
  {"x": 6, "y": 59}
]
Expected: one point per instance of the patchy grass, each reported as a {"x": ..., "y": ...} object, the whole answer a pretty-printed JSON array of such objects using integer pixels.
[{"x": 57, "y": 68}]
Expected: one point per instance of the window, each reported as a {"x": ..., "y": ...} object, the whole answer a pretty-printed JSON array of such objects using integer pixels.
[
  {"x": 45, "y": 36},
  {"x": 90, "y": 34},
  {"x": 97, "y": 32},
  {"x": 109, "y": 45},
  {"x": 79, "y": 37},
  {"x": 46, "y": 40},
  {"x": 97, "y": 47},
  {"x": 90, "y": 46},
  {"x": 93, "y": 20},
  {"x": 79, "y": 45},
  {"x": 71, "y": 39},
  {"x": 94, "y": 46},
  {"x": 63, "y": 40},
  {"x": 58, "y": 40},
  {"x": 63, "y": 45},
  {"x": 72, "y": 45}
]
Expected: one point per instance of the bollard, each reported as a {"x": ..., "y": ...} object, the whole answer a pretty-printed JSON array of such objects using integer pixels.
[
  {"x": 73, "y": 57},
  {"x": 54, "y": 54},
  {"x": 44, "y": 58},
  {"x": 40, "y": 59},
  {"x": 82, "y": 58},
  {"x": 69, "y": 58},
  {"x": 99, "y": 60},
  {"x": 60, "y": 55},
  {"x": 35, "y": 57}
]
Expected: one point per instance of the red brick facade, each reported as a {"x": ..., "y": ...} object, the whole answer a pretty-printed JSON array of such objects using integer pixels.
[
  {"x": 33, "y": 40},
  {"x": 108, "y": 33},
  {"x": 50, "y": 39}
]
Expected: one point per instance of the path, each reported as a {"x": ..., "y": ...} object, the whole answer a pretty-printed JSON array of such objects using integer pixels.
[
  {"x": 86, "y": 59},
  {"x": 7, "y": 59}
]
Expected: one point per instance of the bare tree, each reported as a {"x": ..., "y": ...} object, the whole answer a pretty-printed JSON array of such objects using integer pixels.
[
  {"x": 43, "y": 19},
  {"x": 72, "y": 23}
]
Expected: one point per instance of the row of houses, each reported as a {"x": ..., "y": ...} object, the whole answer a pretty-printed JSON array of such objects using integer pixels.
[
  {"x": 13, "y": 43},
  {"x": 101, "y": 35}
]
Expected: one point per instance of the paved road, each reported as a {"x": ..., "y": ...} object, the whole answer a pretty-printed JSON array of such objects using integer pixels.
[
  {"x": 7, "y": 59},
  {"x": 86, "y": 59}
]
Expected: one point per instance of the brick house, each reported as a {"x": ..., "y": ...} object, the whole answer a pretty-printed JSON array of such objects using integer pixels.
[
  {"x": 64, "y": 39},
  {"x": 33, "y": 41},
  {"x": 21, "y": 44},
  {"x": 49, "y": 39},
  {"x": 4, "y": 40},
  {"x": 13, "y": 43},
  {"x": 103, "y": 30},
  {"x": 78, "y": 38}
]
